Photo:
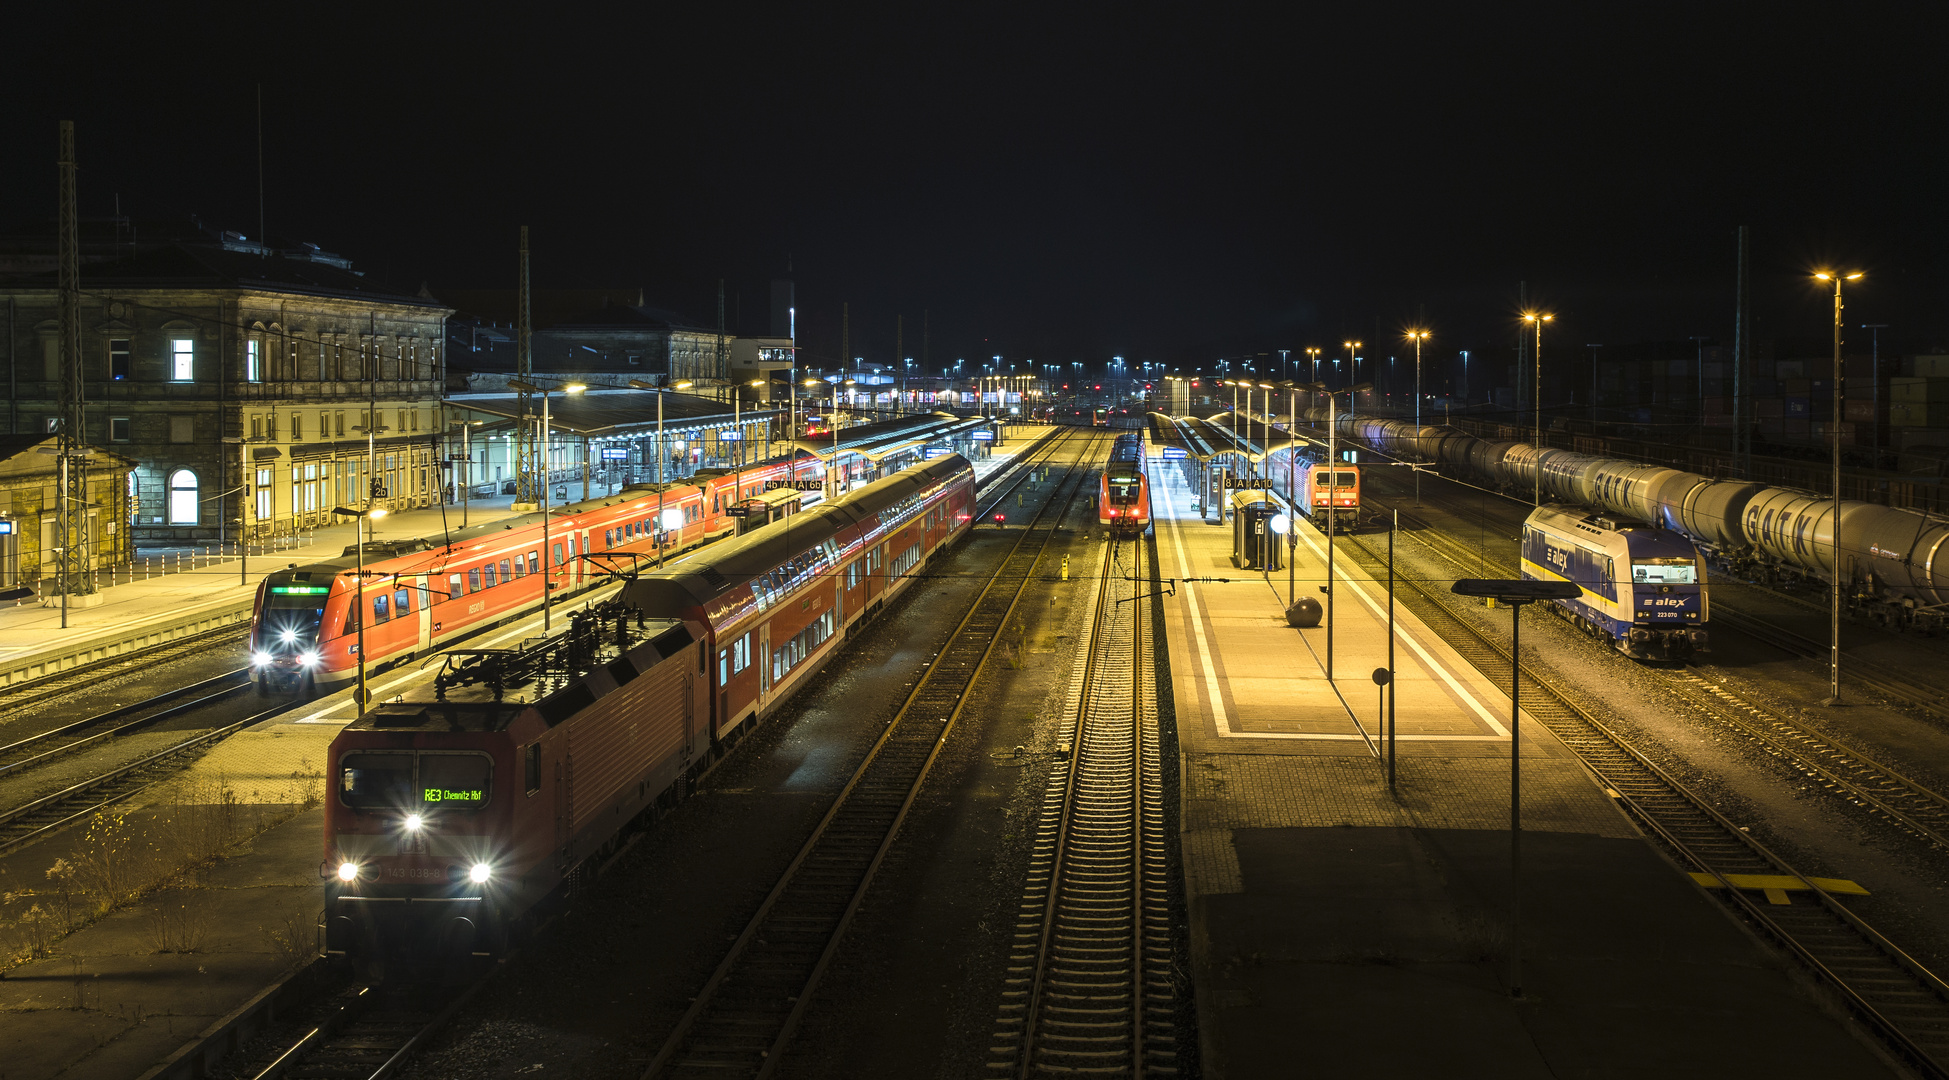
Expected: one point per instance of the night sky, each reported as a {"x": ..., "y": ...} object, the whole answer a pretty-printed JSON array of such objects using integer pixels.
[{"x": 1166, "y": 183}]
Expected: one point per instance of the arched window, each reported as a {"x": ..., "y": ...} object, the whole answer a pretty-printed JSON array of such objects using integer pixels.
[{"x": 182, "y": 498}]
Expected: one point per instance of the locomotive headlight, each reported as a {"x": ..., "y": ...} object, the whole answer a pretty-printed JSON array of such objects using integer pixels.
[
  {"x": 308, "y": 658},
  {"x": 478, "y": 874},
  {"x": 288, "y": 636},
  {"x": 413, "y": 822},
  {"x": 348, "y": 871},
  {"x": 260, "y": 658}
]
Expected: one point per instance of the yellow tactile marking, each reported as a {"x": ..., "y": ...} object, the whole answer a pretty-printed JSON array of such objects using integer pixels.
[{"x": 1781, "y": 883}]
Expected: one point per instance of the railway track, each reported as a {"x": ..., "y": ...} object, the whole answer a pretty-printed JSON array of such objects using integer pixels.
[
  {"x": 31, "y": 821},
  {"x": 19, "y": 698},
  {"x": 1836, "y": 766},
  {"x": 1089, "y": 987},
  {"x": 1906, "y": 1004},
  {"x": 41, "y": 748},
  {"x": 744, "y": 1016}
]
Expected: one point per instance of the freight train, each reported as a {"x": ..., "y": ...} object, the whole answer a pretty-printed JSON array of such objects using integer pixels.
[
  {"x": 426, "y": 592},
  {"x": 456, "y": 811},
  {"x": 1894, "y": 563},
  {"x": 1123, "y": 495}
]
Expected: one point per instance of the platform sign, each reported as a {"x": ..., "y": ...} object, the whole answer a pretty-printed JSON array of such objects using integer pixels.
[
  {"x": 1172, "y": 453},
  {"x": 6, "y": 528},
  {"x": 795, "y": 485},
  {"x": 739, "y": 510},
  {"x": 982, "y": 435},
  {"x": 615, "y": 453},
  {"x": 1247, "y": 483},
  {"x": 732, "y": 435},
  {"x": 932, "y": 452}
]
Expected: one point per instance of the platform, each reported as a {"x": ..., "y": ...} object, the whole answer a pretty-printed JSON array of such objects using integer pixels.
[{"x": 1342, "y": 929}]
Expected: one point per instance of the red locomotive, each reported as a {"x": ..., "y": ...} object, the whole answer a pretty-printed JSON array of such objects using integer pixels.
[
  {"x": 1123, "y": 496},
  {"x": 453, "y": 813},
  {"x": 423, "y": 593}
]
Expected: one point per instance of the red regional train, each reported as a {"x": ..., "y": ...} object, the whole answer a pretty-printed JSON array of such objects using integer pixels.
[
  {"x": 454, "y": 812},
  {"x": 1123, "y": 496},
  {"x": 1326, "y": 490},
  {"x": 421, "y": 594}
]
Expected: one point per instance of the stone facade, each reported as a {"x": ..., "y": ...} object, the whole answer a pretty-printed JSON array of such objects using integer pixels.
[
  {"x": 243, "y": 386},
  {"x": 30, "y": 480}
]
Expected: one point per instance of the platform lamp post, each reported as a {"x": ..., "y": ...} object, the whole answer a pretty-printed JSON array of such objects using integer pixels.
[
  {"x": 662, "y": 453},
  {"x": 1314, "y": 356},
  {"x": 363, "y": 520},
  {"x": 1834, "y": 525},
  {"x": 1265, "y": 447},
  {"x": 1537, "y": 319},
  {"x": 1516, "y": 593},
  {"x": 541, "y": 449},
  {"x": 1417, "y": 336}
]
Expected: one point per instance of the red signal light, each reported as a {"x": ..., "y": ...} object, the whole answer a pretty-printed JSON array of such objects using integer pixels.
[{"x": 999, "y": 518}]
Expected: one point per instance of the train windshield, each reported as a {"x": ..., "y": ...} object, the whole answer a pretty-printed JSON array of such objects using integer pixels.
[
  {"x": 292, "y": 613},
  {"x": 1123, "y": 486},
  {"x": 406, "y": 781},
  {"x": 1677, "y": 571},
  {"x": 1345, "y": 479}
]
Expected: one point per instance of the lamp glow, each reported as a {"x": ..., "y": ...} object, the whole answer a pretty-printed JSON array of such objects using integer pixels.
[
  {"x": 347, "y": 871},
  {"x": 478, "y": 874},
  {"x": 413, "y": 822}
]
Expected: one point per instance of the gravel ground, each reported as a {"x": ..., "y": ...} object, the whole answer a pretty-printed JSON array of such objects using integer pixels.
[
  {"x": 915, "y": 987},
  {"x": 1819, "y": 833}
]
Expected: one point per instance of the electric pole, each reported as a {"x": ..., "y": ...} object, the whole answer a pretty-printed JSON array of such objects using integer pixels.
[
  {"x": 526, "y": 493},
  {"x": 74, "y": 572}
]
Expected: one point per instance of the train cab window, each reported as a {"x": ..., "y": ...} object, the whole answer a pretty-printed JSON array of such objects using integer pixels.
[
  {"x": 488, "y": 577},
  {"x": 1672, "y": 571},
  {"x": 506, "y": 574},
  {"x": 381, "y": 610},
  {"x": 456, "y": 586},
  {"x": 454, "y": 781},
  {"x": 473, "y": 580},
  {"x": 369, "y": 781},
  {"x": 403, "y": 602},
  {"x": 534, "y": 768}
]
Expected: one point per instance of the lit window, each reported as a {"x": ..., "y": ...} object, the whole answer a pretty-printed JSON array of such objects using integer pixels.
[
  {"x": 118, "y": 358},
  {"x": 253, "y": 363},
  {"x": 182, "y": 359},
  {"x": 182, "y": 498}
]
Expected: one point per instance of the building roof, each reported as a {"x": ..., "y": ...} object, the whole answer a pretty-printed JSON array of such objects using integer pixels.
[
  {"x": 181, "y": 266},
  {"x": 596, "y": 412},
  {"x": 20, "y": 455}
]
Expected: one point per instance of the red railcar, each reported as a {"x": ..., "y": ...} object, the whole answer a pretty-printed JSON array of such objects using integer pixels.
[
  {"x": 1123, "y": 495},
  {"x": 424, "y": 593},
  {"x": 454, "y": 812}
]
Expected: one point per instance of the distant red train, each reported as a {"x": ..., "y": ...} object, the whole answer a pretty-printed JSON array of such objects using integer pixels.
[
  {"x": 423, "y": 593},
  {"x": 456, "y": 811},
  {"x": 1123, "y": 496}
]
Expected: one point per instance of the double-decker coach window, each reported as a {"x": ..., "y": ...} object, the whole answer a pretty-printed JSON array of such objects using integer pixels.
[
  {"x": 1674, "y": 571},
  {"x": 376, "y": 781}
]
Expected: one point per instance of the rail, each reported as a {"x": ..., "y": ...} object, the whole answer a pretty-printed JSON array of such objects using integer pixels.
[{"x": 746, "y": 1013}]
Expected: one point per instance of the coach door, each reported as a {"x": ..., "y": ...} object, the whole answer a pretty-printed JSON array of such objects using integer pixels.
[
  {"x": 764, "y": 661},
  {"x": 425, "y": 600}
]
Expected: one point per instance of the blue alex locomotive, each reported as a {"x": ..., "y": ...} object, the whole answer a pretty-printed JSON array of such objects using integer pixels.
[{"x": 1644, "y": 588}]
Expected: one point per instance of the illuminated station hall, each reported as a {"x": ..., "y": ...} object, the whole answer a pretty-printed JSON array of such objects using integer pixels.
[{"x": 715, "y": 542}]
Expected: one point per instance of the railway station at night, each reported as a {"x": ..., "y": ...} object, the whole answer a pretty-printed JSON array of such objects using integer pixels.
[{"x": 797, "y": 544}]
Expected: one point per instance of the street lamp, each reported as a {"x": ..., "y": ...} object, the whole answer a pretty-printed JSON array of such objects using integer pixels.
[
  {"x": 1834, "y": 526},
  {"x": 1515, "y": 594},
  {"x": 1536, "y": 431},
  {"x": 1350, "y": 346},
  {"x": 1314, "y": 356},
  {"x": 548, "y": 571},
  {"x": 361, "y": 696},
  {"x": 1417, "y": 336},
  {"x": 662, "y": 526}
]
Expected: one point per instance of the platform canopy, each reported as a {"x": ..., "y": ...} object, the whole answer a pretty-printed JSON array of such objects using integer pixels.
[
  {"x": 1244, "y": 436},
  {"x": 884, "y": 438}
]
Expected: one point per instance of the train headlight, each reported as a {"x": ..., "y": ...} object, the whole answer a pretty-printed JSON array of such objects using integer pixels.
[
  {"x": 308, "y": 658},
  {"x": 348, "y": 871},
  {"x": 478, "y": 874},
  {"x": 413, "y": 822},
  {"x": 260, "y": 658},
  {"x": 288, "y": 636}
]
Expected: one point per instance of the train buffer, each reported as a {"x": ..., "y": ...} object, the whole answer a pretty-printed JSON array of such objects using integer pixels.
[{"x": 1777, "y": 886}]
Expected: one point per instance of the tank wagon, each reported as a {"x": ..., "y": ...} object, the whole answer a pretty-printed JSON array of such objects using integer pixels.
[{"x": 1894, "y": 564}]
